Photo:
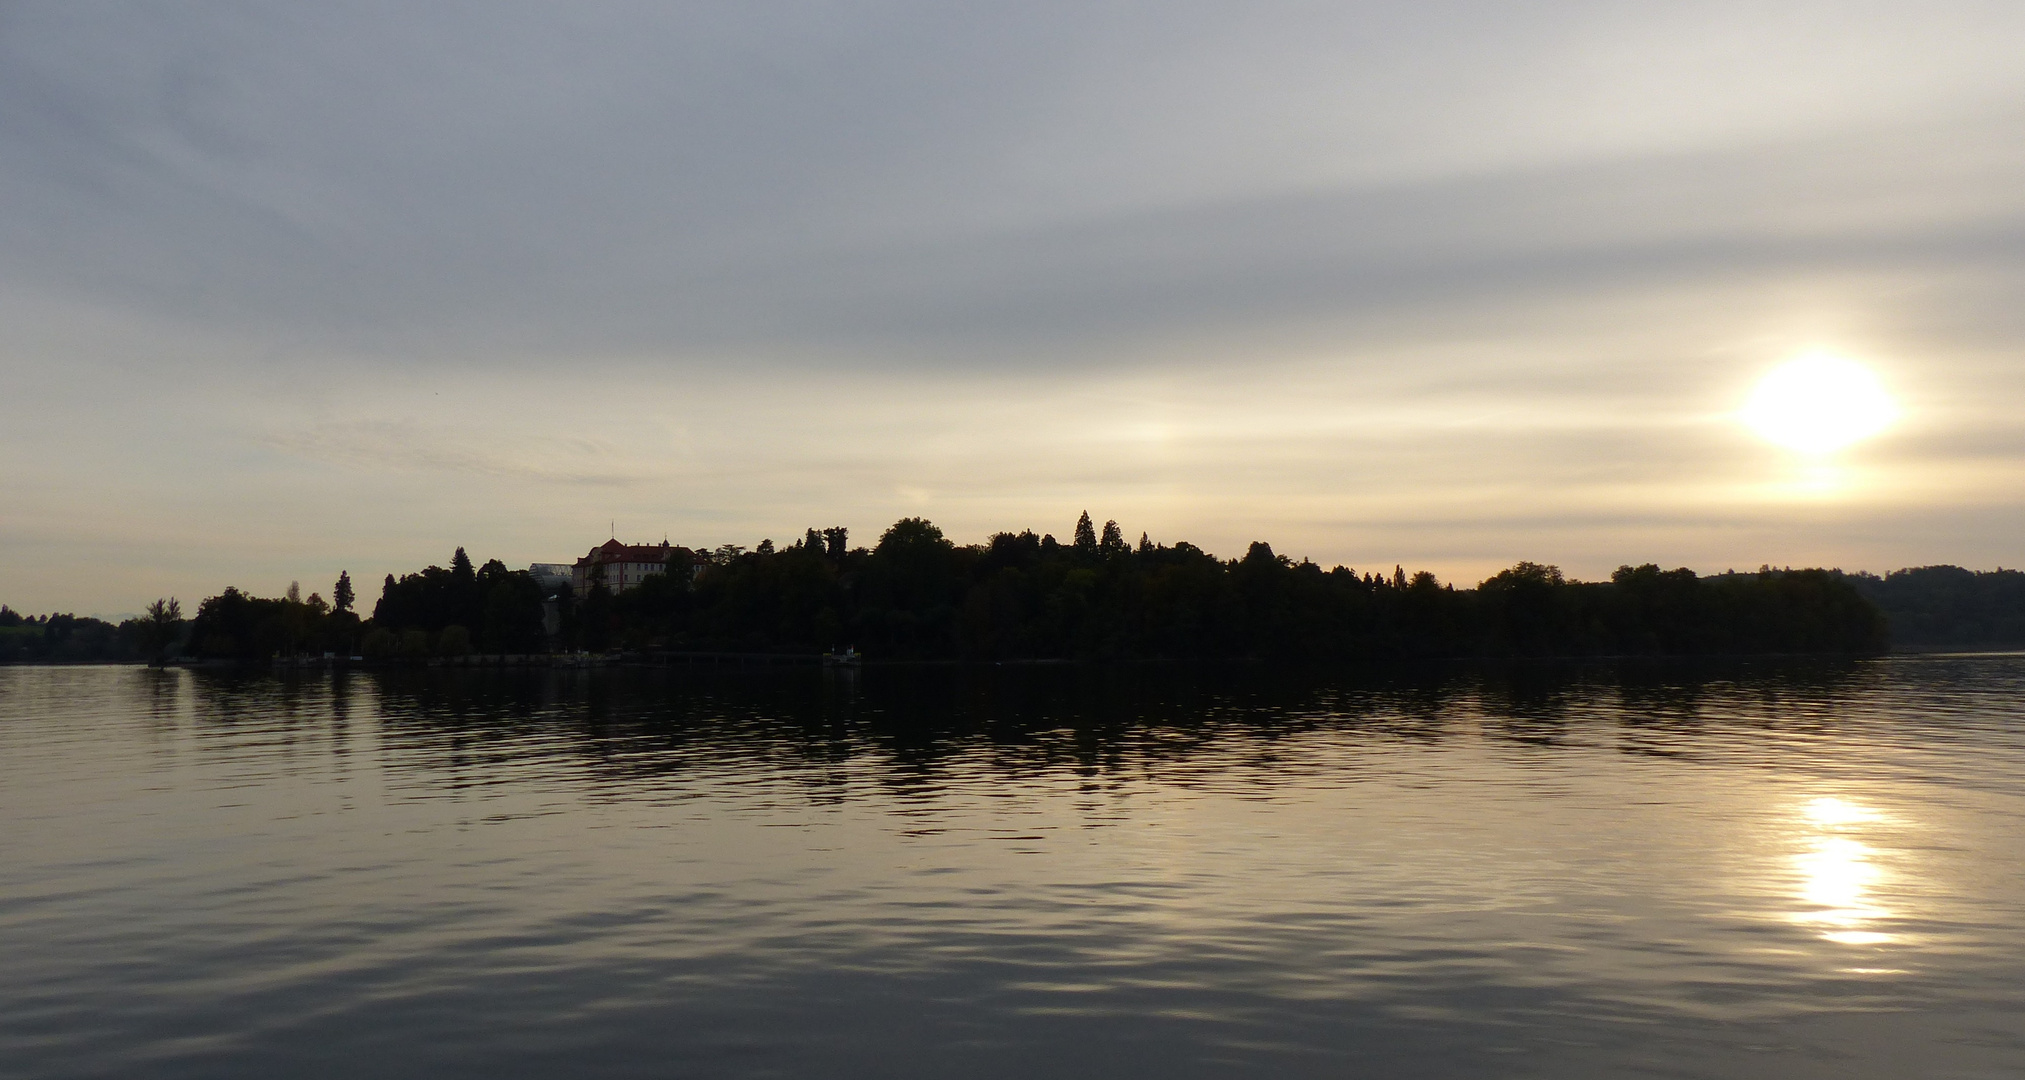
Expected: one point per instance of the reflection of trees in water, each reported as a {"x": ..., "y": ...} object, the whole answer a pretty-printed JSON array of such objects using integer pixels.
[
  {"x": 1665, "y": 709},
  {"x": 1659, "y": 706},
  {"x": 912, "y": 731},
  {"x": 238, "y": 697},
  {"x": 630, "y": 726},
  {"x": 164, "y": 687},
  {"x": 1534, "y": 703},
  {"x": 294, "y": 720}
]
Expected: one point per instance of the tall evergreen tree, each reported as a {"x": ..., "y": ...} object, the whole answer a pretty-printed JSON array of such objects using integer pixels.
[
  {"x": 1086, "y": 534},
  {"x": 387, "y": 610},
  {"x": 341, "y": 594}
]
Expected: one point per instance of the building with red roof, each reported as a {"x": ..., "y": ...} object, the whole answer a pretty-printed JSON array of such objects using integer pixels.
[{"x": 626, "y": 565}]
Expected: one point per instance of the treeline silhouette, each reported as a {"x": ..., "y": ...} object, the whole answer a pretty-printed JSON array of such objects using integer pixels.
[
  {"x": 432, "y": 612},
  {"x": 64, "y": 638},
  {"x": 235, "y": 625},
  {"x": 1947, "y": 607},
  {"x": 488, "y": 610},
  {"x": 915, "y": 595}
]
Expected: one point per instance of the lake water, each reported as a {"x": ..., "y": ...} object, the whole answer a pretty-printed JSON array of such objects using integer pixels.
[{"x": 1755, "y": 871}]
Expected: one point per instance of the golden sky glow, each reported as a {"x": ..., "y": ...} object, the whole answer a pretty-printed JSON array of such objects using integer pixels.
[
  {"x": 1578, "y": 285},
  {"x": 1819, "y": 403}
]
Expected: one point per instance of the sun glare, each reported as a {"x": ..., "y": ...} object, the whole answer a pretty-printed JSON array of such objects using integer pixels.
[{"x": 1818, "y": 404}]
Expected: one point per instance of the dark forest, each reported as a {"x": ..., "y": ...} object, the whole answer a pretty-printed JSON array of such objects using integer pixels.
[{"x": 915, "y": 595}]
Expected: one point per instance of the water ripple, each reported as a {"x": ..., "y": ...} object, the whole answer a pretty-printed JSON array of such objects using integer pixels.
[{"x": 1760, "y": 870}]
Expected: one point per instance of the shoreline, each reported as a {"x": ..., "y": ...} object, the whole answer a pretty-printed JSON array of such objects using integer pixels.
[{"x": 749, "y": 661}]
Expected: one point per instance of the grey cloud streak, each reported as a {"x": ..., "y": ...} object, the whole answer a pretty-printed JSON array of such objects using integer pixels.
[
  {"x": 417, "y": 447},
  {"x": 1474, "y": 281},
  {"x": 861, "y": 181}
]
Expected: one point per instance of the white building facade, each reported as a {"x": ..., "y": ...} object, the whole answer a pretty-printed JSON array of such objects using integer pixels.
[{"x": 625, "y": 565}]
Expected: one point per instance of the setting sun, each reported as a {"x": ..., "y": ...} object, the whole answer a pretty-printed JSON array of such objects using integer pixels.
[{"x": 1819, "y": 403}]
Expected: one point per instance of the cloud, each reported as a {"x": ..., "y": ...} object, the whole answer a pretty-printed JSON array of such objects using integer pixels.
[
  {"x": 344, "y": 283},
  {"x": 891, "y": 181},
  {"x": 410, "y": 446}
]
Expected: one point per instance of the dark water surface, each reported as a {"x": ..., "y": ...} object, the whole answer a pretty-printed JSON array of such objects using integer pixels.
[{"x": 1760, "y": 871}]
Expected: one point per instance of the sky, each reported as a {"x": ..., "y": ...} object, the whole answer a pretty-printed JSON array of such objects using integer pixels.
[{"x": 290, "y": 289}]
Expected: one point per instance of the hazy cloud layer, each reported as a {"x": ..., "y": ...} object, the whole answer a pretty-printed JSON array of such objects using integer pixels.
[{"x": 289, "y": 288}]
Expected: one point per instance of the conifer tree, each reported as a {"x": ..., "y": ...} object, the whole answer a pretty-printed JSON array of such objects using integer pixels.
[
  {"x": 1086, "y": 534},
  {"x": 341, "y": 594}
]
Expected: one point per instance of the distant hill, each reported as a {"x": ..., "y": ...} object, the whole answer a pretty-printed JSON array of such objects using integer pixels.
[
  {"x": 1931, "y": 608},
  {"x": 63, "y": 638}
]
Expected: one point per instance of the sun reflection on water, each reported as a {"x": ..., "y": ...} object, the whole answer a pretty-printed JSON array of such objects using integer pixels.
[{"x": 1838, "y": 878}]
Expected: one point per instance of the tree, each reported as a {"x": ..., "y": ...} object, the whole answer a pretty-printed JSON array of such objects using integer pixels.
[
  {"x": 341, "y": 594},
  {"x": 680, "y": 568},
  {"x": 1526, "y": 573},
  {"x": 511, "y": 619},
  {"x": 453, "y": 641},
  {"x": 915, "y": 594},
  {"x": 236, "y": 625},
  {"x": 910, "y": 535},
  {"x": 1113, "y": 542},
  {"x": 1531, "y": 610},
  {"x": 159, "y": 626},
  {"x": 460, "y": 568},
  {"x": 595, "y": 617},
  {"x": 1086, "y": 534},
  {"x": 294, "y": 592}
]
